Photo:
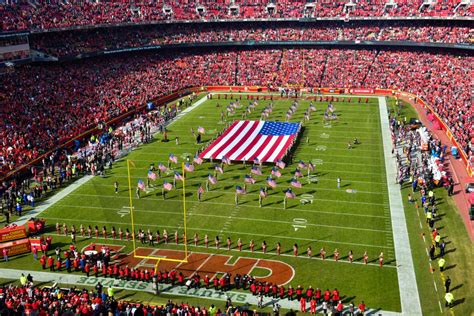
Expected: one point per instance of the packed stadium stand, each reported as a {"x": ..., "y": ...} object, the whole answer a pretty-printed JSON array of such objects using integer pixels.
[
  {"x": 92, "y": 90},
  {"x": 42, "y": 15}
]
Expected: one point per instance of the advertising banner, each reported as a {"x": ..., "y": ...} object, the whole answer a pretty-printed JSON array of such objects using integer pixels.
[{"x": 12, "y": 232}]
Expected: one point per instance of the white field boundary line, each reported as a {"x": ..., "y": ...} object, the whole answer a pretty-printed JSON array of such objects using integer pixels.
[
  {"x": 232, "y": 216},
  {"x": 43, "y": 206},
  {"x": 223, "y": 250},
  {"x": 61, "y": 219},
  {"x": 409, "y": 297},
  {"x": 222, "y": 192}
]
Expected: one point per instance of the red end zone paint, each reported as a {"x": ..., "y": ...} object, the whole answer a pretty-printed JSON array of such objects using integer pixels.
[{"x": 279, "y": 272}]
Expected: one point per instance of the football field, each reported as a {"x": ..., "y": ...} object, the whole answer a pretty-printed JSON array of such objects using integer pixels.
[{"x": 355, "y": 217}]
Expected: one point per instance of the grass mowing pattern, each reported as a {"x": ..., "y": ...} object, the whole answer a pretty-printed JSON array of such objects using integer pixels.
[{"x": 335, "y": 219}]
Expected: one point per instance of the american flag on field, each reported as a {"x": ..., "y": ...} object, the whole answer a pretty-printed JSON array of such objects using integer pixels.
[
  {"x": 301, "y": 165},
  {"x": 219, "y": 169},
  {"x": 188, "y": 167},
  {"x": 162, "y": 167},
  {"x": 212, "y": 179},
  {"x": 200, "y": 189},
  {"x": 173, "y": 158},
  {"x": 239, "y": 190},
  {"x": 310, "y": 166},
  {"x": 151, "y": 175},
  {"x": 256, "y": 170},
  {"x": 167, "y": 186},
  {"x": 280, "y": 164},
  {"x": 263, "y": 193},
  {"x": 256, "y": 161},
  {"x": 177, "y": 176},
  {"x": 247, "y": 140},
  {"x": 312, "y": 107},
  {"x": 197, "y": 160},
  {"x": 225, "y": 160},
  {"x": 141, "y": 185},
  {"x": 276, "y": 172},
  {"x": 271, "y": 183},
  {"x": 295, "y": 183},
  {"x": 249, "y": 179},
  {"x": 298, "y": 173},
  {"x": 201, "y": 130},
  {"x": 289, "y": 194}
]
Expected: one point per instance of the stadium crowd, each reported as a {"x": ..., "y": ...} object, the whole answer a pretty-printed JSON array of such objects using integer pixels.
[
  {"x": 73, "y": 43},
  {"x": 51, "y": 14},
  {"x": 29, "y": 299},
  {"x": 94, "y": 91}
]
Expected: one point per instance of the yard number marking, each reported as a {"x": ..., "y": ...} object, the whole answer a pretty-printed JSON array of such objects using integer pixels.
[
  {"x": 324, "y": 135},
  {"x": 306, "y": 198},
  {"x": 299, "y": 223},
  {"x": 124, "y": 211},
  {"x": 321, "y": 148}
]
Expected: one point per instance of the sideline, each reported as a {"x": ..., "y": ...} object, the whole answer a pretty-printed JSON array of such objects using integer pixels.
[
  {"x": 409, "y": 298},
  {"x": 240, "y": 298}
]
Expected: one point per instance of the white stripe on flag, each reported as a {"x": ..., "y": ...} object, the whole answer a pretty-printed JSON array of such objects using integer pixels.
[
  {"x": 249, "y": 140},
  {"x": 256, "y": 147},
  {"x": 277, "y": 151},
  {"x": 247, "y": 130},
  {"x": 267, "y": 147},
  {"x": 223, "y": 140}
]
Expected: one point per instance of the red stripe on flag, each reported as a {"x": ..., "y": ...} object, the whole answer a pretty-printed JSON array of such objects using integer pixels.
[
  {"x": 249, "y": 147},
  {"x": 283, "y": 150},
  {"x": 243, "y": 139},
  {"x": 217, "y": 141},
  {"x": 231, "y": 138},
  {"x": 261, "y": 148},
  {"x": 272, "y": 149}
]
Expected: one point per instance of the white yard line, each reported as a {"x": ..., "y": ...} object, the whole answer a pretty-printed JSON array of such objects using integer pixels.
[
  {"x": 409, "y": 297},
  {"x": 227, "y": 231}
]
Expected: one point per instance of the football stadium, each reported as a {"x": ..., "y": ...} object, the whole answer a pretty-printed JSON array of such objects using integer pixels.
[{"x": 237, "y": 157}]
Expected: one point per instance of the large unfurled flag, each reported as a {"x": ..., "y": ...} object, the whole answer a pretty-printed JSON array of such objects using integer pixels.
[
  {"x": 249, "y": 179},
  {"x": 276, "y": 172},
  {"x": 271, "y": 183},
  {"x": 280, "y": 164},
  {"x": 256, "y": 170},
  {"x": 201, "y": 130},
  {"x": 188, "y": 167},
  {"x": 197, "y": 160},
  {"x": 301, "y": 165},
  {"x": 247, "y": 140},
  {"x": 167, "y": 186},
  {"x": 151, "y": 175},
  {"x": 295, "y": 183},
  {"x": 263, "y": 193},
  {"x": 141, "y": 185},
  {"x": 162, "y": 167},
  {"x": 177, "y": 176},
  {"x": 219, "y": 169},
  {"x": 225, "y": 160},
  {"x": 173, "y": 158},
  {"x": 298, "y": 173},
  {"x": 239, "y": 190},
  {"x": 212, "y": 179}
]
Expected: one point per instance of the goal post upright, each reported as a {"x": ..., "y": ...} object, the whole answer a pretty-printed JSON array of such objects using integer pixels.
[{"x": 158, "y": 259}]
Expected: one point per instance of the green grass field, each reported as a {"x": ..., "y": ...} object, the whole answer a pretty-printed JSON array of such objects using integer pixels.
[
  {"x": 357, "y": 221},
  {"x": 335, "y": 219}
]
